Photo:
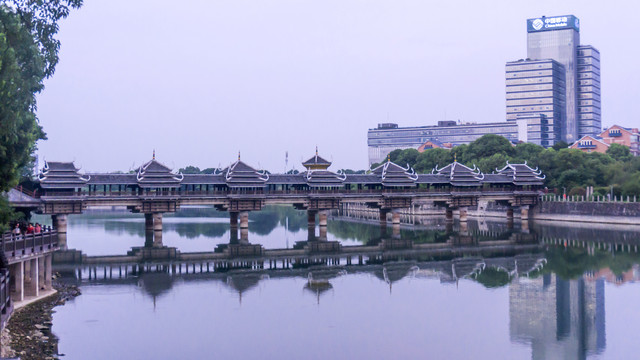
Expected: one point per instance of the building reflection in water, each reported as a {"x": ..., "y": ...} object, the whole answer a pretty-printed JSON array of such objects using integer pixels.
[{"x": 560, "y": 319}]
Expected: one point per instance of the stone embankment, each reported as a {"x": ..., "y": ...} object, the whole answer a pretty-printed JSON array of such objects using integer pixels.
[
  {"x": 598, "y": 212},
  {"x": 605, "y": 212},
  {"x": 28, "y": 334}
]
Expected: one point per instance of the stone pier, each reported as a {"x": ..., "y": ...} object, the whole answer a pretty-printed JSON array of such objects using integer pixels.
[
  {"x": 463, "y": 214},
  {"x": 449, "y": 215},
  {"x": 157, "y": 222},
  {"x": 322, "y": 218},
  {"x": 233, "y": 219},
  {"x": 383, "y": 221},
  {"x": 60, "y": 225},
  {"x": 244, "y": 219},
  {"x": 148, "y": 222}
]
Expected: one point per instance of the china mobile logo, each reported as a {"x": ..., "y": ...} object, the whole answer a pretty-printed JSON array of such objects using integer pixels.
[{"x": 537, "y": 24}]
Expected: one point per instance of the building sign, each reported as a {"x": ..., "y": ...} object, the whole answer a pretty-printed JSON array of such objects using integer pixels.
[{"x": 553, "y": 23}]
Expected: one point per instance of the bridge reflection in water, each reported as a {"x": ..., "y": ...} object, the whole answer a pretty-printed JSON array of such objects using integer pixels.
[{"x": 555, "y": 275}]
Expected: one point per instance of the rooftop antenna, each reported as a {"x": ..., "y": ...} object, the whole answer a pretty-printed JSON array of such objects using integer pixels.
[
  {"x": 154, "y": 154},
  {"x": 286, "y": 161},
  {"x": 238, "y": 155}
]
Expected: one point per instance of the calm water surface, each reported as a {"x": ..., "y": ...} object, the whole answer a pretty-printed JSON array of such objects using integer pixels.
[{"x": 561, "y": 298}]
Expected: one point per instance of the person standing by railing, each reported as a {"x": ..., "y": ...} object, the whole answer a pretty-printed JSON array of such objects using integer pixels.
[
  {"x": 16, "y": 230},
  {"x": 37, "y": 229}
]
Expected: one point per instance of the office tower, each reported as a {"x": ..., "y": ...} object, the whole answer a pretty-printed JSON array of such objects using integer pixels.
[
  {"x": 558, "y": 38},
  {"x": 536, "y": 92},
  {"x": 588, "y": 91}
]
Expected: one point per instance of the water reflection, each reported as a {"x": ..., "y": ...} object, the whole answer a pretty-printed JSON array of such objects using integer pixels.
[
  {"x": 563, "y": 319},
  {"x": 548, "y": 280}
]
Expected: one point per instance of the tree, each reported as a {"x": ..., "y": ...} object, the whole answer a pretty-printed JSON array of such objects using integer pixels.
[
  {"x": 190, "y": 170},
  {"x": 527, "y": 152},
  {"x": 491, "y": 163},
  {"x": 619, "y": 152},
  {"x": 21, "y": 75},
  {"x": 486, "y": 146},
  {"x": 560, "y": 145},
  {"x": 40, "y": 18},
  {"x": 428, "y": 160},
  {"x": 28, "y": 54}
]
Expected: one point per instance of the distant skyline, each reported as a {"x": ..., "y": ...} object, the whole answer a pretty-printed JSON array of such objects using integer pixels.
[{"x": 199, "y": 81}]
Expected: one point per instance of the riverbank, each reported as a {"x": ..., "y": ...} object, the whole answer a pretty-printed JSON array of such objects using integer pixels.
[{"x": 28, "y": 334}]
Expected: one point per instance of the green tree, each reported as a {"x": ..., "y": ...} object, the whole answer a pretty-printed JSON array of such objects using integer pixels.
[
  {"x": 28, "y": 54},
  {"x": 527, "y": 152},
  {"x": 486, "y": 146},
  {"x": 21, "y": 75},
  {"x": 560, "y": 145},
  {"x": 619, "y": 152},
  {"x": 40, "y": 18},
  {"x": 190, "y": 170},
  {"x": 432, "y": 157},
  {"x": 491, "y": 163}
]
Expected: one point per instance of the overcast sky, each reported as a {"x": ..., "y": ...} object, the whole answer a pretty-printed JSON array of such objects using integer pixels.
[{"x": 199, "y": 81}]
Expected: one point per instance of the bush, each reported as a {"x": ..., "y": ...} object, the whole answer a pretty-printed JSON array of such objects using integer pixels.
[{"x": 578, "y": 191}]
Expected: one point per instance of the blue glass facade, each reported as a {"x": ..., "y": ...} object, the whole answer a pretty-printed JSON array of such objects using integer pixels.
[
  {"x": 558, "y": 38},
  {"x": 589, "y": 111},
  {"x": 536, "y": 91}
]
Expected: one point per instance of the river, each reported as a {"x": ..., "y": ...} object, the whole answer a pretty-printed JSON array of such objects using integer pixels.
[{"x": 541, "y": 290}]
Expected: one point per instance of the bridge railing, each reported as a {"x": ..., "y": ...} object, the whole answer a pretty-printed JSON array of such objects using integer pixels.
[
  {"x": 5, "y": 297},
  {"x": 33, "y": 194},
  {"x": 22, "y": 245},
  {"x": 266, "y": 192}
]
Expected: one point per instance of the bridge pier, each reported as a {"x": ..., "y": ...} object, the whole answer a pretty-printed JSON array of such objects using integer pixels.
[
  {"x": 395, "y": 217},
  {"x": 148, "y": 221},
  {"x": 463, "y": 214},
  {"x": 244, "y": 219},
  {"x": 510, "y": 214},
  {"x": 157, "y": 222},
  {"x": 32, "y": 286},
  {"x": 60, "y": 225},
  {"x": 323, "y": 233},
  {"x": 449, "y": 215},
  {"x": 244, "y": 235},
  {"x": 233, "y": 219},
  {"x": 524, "y": 212},
  {"x": 322, "y": 217},
  {"x": 383, "y": 221},
  {"x": 17, "y": 277}
]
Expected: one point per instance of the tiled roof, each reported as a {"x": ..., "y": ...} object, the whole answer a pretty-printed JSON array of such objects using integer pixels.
[
  {"x": 240, "y": 174},
  {"x": 461, "y": 175},
  {"x": 394, "y": 175},
  {"x": 61, "y": 175},
  {"x": 153, "y": 174},
  {"x": 522, "y": 174},
  {"x": 324, "y": 178}
]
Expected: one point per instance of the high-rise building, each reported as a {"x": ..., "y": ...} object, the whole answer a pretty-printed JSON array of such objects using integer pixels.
[
  {"x": 536, "y": 89},
  {"x": 589, "y": 90},
  {"x": 558, "y": 38},
  {"x": 388, "y": 137}
]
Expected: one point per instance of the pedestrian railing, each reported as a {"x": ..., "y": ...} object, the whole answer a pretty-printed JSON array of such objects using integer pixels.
[{"x": 18, "y": 245}]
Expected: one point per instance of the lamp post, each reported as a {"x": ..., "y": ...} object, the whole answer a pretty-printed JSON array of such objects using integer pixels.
[{"x": 611, "y": 193}]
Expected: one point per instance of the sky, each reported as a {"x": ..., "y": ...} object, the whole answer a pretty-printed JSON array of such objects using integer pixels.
[{"x": 200, "y": 81}]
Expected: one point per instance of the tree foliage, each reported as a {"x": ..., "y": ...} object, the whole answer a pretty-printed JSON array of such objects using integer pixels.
[
  {"x": 40, "y": 18},
  {"x": 566, "y": 168},
  {"x": 28, "y": 54}
]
